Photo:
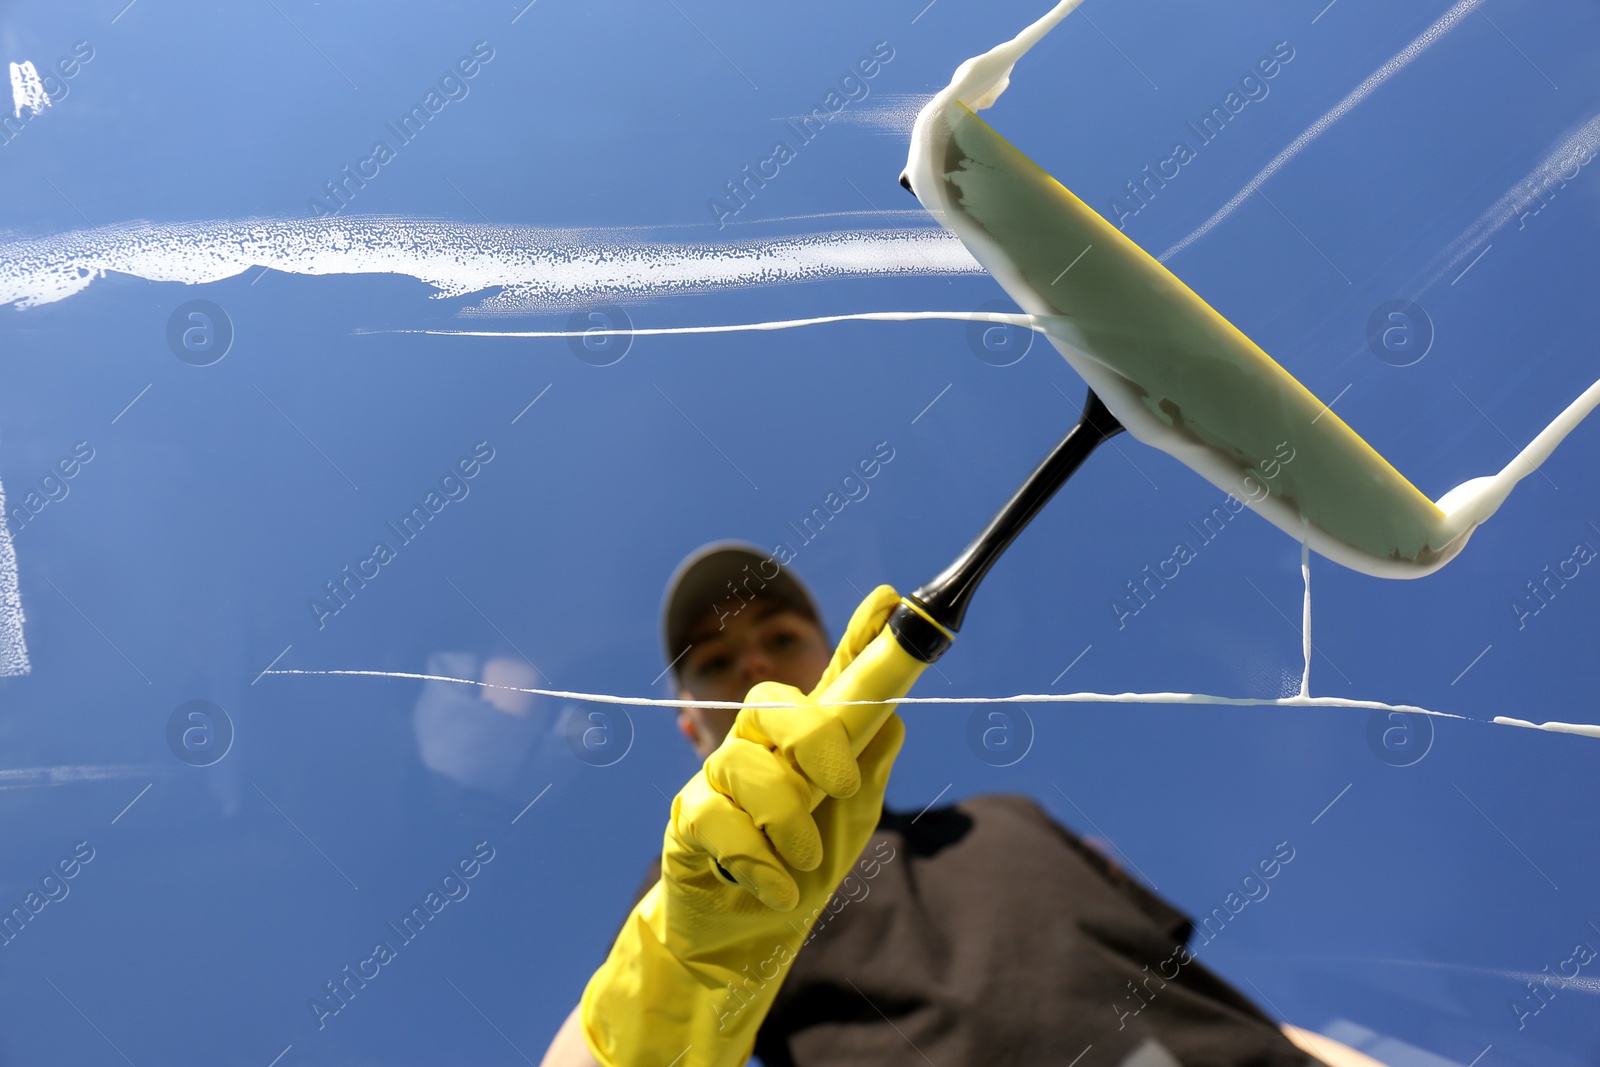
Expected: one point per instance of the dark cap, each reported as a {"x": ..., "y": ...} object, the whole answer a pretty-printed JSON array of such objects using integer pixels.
[{"x": 717, "y": 572}]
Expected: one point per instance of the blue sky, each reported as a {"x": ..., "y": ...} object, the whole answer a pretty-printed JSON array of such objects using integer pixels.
[{"x": 180, "y": 560}]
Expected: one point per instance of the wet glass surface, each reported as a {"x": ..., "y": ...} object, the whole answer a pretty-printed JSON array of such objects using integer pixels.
[{"x": 227, "y": 451}]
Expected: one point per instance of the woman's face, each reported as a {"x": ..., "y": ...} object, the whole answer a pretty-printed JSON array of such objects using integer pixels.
[{"x": 763, "y": 641}]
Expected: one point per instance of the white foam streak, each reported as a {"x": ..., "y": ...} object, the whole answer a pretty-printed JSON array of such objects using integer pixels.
[
  {"x": 1583, "y": 728},
  {"x": 1305, "y": 617},
  {"x": 27, "y": 91},
  {"x": 1525, "y": 194},
  {"x": 1474, "y": 501},
  {"x": 893, "y": 115},
  {"x": 978, "y": 82},
  {"x": 1032, "y": 322},
  {"x": 72, "y": 774},
  {"x": 13, "y": 648},
  {"x": 1020, "y": 698},
  {"x": 1579, "y": 983},
  {"x": 1368, "y": 86},
  {"x": 534, "y": 269},
  {"x": 1302, "y": 700}
]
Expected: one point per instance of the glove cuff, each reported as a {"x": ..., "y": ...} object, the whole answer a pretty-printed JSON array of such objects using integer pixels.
[{"x": 646, "y": 1007}]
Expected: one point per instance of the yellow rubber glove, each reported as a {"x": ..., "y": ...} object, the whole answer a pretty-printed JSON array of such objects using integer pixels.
[{"x": 699, "y": 961}]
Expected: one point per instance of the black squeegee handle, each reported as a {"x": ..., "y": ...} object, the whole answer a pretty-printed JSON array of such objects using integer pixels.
[{"x": 945, "y": 599}]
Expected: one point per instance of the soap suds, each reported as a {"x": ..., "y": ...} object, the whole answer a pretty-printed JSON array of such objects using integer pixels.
[
  {"x": 1020, "y": 698},
  {"x": 1527, "y": 196},
  {"x": 1305, "y": 618},
  {"x": 893, "y": 115},
  {"x": 72, "y": 774},
  {"x": 536, "y": 269},
  {"x": 13, "y": 649},
  {"x": 1010, "y": 318},
  {"x": 1546, "y": 978},
  {"x": 27, "y": 91},
  {"x": 1398, "y": 62},
  {"x": 1584, "y": 728}
]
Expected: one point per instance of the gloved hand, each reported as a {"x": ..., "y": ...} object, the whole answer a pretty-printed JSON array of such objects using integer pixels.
[{"x": 700, "y": 959}]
